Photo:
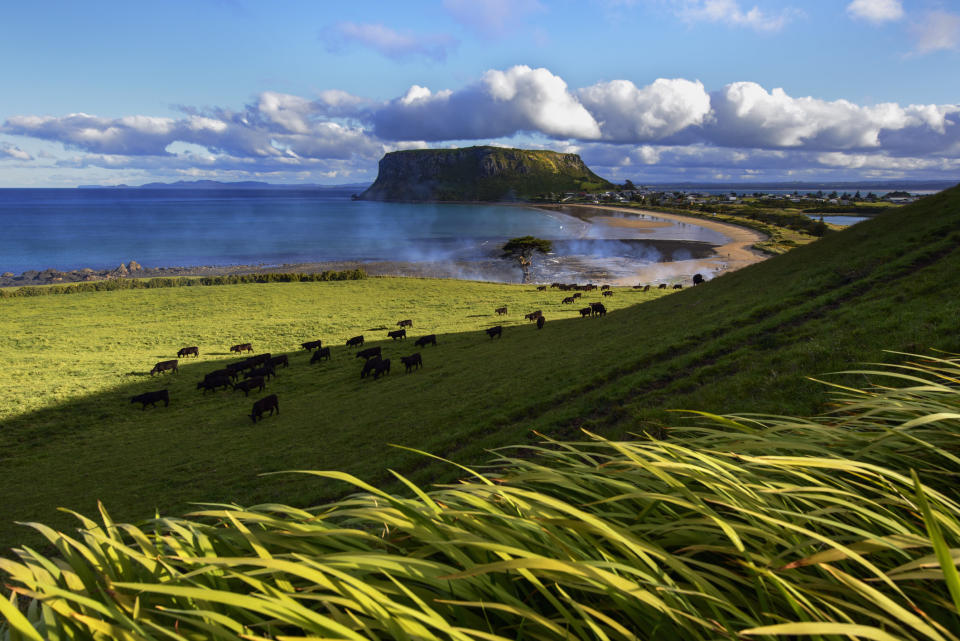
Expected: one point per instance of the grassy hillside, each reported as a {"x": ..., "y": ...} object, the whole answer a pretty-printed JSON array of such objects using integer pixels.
[{"x": 743, "y": 342}]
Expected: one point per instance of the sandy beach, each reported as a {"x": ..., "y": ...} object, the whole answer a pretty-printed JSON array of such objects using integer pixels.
[{"x": 735, "y": 254}]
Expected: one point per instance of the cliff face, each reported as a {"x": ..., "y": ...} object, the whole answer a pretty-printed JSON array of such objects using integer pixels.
[{"x": 478, "y": 174}]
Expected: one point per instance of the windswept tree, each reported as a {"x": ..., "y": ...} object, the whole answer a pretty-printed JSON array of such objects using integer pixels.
[{"x": 522, "y": 250}]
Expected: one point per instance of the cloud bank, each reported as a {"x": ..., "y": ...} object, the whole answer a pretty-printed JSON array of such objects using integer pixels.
[{"x": 669, "y": 125}]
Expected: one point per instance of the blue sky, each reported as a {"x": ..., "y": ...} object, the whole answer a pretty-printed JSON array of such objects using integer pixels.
[{"x": 317, "y": 92}]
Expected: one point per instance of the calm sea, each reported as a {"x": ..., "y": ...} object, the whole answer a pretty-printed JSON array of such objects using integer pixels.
[{"x": 100, "y": 228}]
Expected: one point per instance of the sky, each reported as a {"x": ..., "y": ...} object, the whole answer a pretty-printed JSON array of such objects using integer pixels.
[{"x": 316, "y": 91}]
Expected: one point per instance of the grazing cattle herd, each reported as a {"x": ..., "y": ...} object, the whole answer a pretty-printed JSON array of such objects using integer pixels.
[{"x": 259, "y": 369}]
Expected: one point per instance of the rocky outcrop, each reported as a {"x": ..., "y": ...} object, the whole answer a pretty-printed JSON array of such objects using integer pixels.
[{"x": 479, "y": 174}]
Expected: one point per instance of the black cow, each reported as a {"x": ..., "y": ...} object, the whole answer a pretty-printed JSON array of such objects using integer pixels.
[
  {"x": 236, "y": 368},
  {"x": 266, "y": 403},
  {"x": 187, "y": 351},
  {"x": 532, "y": 316},
  {"x": 542, "y": 288},
  {"x": 697, "y": 279},
  {"x": 500, "y": 311},
  {"x": 405, "y": 323},
  {"x": 242, "y": 347},
  {"x": 400, "y": 333},
  {"x": 639, "y": 286},
  {"x": 265, "y": 371},
  {"x": 647, "y": 288},
  {"x": 495, "y": 331},
  {"x": 678, "y": 286},
  {"x": 229, "y": 373},
  {"x": 577, "y": 295},
  {"x": 412, "y": 361},
  {"x": 164, "y": 366},
  {"x": 608, "y": 293},
  {"x": 662, "y": 286},
  {"x": 369, "y": 366},
  {"x": 277, "y": 361},
  {"x": 212, "y": 383},
  {"x": 310, "y": 345},
  {"x": 152, "y": 398},
  {"x": 256, "y": 382},
  {"x": 355, "y": 341},
  {"x": 368, "y": 353},
  {"x": 585, "y": 311},
  {"x": 429, "y": 339},
  {"x": 567, "y": 300},
  {"x": 540, "y": 321},
  {"x": 604, "y": 287},
  {"x": 320, "y": 354},
  {"x": 381, "y": 367},
  {"x": 598, "y": 309}
]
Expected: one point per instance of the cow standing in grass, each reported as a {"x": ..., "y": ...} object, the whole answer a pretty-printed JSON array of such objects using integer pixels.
[
  {"x": 152, "y": 398},
  {"x": 255, "y": 382},
  {"x": 495, "y": 331},
  {"x": 429, "y": 339},
  {"x": 211, "y": 383},
  {"x": 369, "y": 366},
  {"x": 320, "y": 354},
  {"x": 311, "y": 345},
  {"x": 188, "y": 351},
  {"x": 500, "y": 311},
  {"x": 368, "y": 353},
  {"x": 164, "y": 366},
  {"x": 266, "y": 403},
  {"x": 412, "y": 361},
  {"x": 356, "y": 341},
  {"x": 400, "y": 333}
]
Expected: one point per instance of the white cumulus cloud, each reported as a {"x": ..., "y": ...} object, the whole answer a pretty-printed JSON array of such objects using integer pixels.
[
  {"x": 627, "y": 113},
  {"x": 876, "y": 11},
  {"x": 501, "y": 104},
  {"x": 746, "y": 114}
]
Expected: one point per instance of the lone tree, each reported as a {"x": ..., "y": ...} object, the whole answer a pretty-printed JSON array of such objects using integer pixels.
[{"x": 522, "y": 250}]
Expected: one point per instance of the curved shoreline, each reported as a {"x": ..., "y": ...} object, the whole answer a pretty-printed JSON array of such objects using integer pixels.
[{"x": 731, "y": 256}]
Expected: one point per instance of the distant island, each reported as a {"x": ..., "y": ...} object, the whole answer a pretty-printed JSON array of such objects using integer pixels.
[
  {"x": 216, "y": 184},
  {"x": 473, "y": 174}
]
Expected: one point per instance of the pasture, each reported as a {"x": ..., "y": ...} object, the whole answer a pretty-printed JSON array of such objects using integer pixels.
[{"x": 72, "y": 363}]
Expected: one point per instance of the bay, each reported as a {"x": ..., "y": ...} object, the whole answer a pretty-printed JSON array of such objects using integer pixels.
[{"x": 66, "y": 229}]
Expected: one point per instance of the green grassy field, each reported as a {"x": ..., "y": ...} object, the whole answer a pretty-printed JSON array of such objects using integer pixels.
[{"x": 743, "y": 342}]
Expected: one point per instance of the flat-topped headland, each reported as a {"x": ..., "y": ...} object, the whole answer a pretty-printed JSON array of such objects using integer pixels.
[{"x": 479, "y": 174}]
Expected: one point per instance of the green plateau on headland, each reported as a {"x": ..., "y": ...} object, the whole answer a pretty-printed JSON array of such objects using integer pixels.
[{"x": 492, "y": 174}]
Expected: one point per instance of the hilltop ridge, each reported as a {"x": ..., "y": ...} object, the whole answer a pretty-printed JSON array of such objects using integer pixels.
[{"x": 479, "y": 174}]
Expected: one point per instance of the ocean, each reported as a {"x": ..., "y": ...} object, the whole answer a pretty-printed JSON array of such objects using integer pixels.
[{"x": 68, "y": 229}]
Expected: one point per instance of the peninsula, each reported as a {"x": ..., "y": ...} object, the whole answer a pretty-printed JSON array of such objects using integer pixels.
[{"x": 491, "y": 174}]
